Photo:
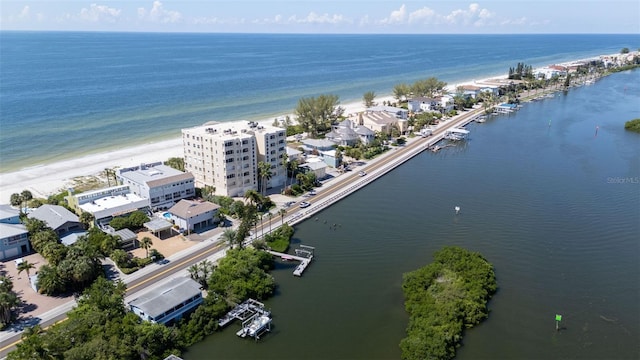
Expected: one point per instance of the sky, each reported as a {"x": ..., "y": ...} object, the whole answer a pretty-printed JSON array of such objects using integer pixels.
[{"x": 325, "y": 16}]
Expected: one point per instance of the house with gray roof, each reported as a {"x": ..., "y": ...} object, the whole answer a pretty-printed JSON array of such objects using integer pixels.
[
  {"x": 14, "y": 237},
  {"x": 168, "y": 302},
  {"x": 193, "y": 215},
  {"x": 399, "y": 113},
  {"x": 61, "y": 220}
]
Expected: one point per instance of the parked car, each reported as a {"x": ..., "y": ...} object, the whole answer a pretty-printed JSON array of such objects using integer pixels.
[{"x": 304, "y": 204}]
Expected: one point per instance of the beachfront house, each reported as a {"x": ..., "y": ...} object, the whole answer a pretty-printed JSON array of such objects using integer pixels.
[
  {"x": 105, "y": 204},
  {"x": 315, "y": 165},
  {"x": 399, "y": 113},
  {"x": 14, "y": 237},
  {"x": 61, "y": 220},
  {"x": 422, "y": 104},
  {"x": 190, "y": 215},
  {"x": 163, "y": 185},
  {"x": 382, "y": 122},
  {"x": 168, "y": 302}
]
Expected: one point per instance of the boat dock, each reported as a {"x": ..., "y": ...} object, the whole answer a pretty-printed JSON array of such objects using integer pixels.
[
  {"x": 255, "y": 326},
  {"x": 304, "y": 255},
  {"x": 244, "y": 311}
]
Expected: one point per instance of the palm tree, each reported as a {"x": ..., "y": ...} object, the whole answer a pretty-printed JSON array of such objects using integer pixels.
[
  {"x": 282, "y": 213},
  {"x": 264, "y": 169},
  {"x": 229, "y": 237},
  {"x": 253, "y": 197},
  {"x": 270, "y": 216},
  {"x": 86, "y": 219},
  {"x": 284, "y": 163},
  {"x": 26, "y": 197},
  {"x": 146, "y": 243},
  {"x": 194, "y": 272},
  {"x": 8, "y": 300},
  {"x": 25, "y": 266}
]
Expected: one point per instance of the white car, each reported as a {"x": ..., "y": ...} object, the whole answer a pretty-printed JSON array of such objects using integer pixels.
[
  {"x": 362, "y": 173},
  {"x": 304, "y": 204}
]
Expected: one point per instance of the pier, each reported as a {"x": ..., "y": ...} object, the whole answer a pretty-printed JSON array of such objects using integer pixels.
[{"x": 304, "y": 255}]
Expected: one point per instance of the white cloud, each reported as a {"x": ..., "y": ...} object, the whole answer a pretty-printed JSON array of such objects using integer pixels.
[
  {"x": 424, "y": 15},
  {"x": 99, "y": 13},
  {"x": 396, "y": 16},
  {"x": 159, "y": 14},
  {"x": 473, "y": 15},
  {"x": 314, "y": 18},
  {"x": 25, "y": 13}
]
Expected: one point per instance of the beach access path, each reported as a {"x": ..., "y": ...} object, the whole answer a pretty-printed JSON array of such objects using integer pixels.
[{"x": 212, "y": 249}]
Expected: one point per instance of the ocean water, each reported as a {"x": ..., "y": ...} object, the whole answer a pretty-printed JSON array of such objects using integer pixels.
[{"x": 64, "y": 94}]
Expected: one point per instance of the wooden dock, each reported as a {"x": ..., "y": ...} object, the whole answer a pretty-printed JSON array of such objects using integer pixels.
[{"x": 304, "y": 260}]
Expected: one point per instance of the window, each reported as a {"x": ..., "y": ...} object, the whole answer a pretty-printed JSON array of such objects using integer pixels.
[
  {"x": 229, "y": 160},
  {"x": 231, "y": 176}
]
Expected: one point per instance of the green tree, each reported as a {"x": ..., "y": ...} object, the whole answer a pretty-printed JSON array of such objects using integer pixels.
[
  {"x": 282, "y": 213},
  {"x": 146, "y": 243},
  {"x": 50, "y": 281},
  {"x": 401, "y": 91},
  {"x": 16, "y": 200},
  {"x": 316, "y": 114},
  {"x": 26, "y": 266},
  {"x": 8, "y": 301},
  {"x": 176, "y": 163},
  {"x": 26, "y": 196},
  {"x": 369, "y": 99},
  {"x": 229, "y": 237},
  {"x": 285, "y": 163},
  {"x": 120, "y": 257},
  {"x": 137, "y": 219},
  {"x": 624, "y": 51},
  {"x": 86, "y": 219},
  {"x": 264, "y": 170}
]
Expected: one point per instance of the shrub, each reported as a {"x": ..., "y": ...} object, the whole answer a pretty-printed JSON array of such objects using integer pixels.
[{"x": 633, "y": 125}]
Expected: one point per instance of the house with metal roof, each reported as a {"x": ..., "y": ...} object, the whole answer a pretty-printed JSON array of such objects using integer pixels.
[
  {"x": 193, "y": 215},
  {"x": 161, "y": 184},
  {"x": 168, "y": 302},
  {"x": 61, "y": 220},
  {"x": 14, "y": 237}
]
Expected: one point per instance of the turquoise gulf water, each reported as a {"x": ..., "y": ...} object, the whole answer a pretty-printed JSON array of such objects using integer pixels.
[
  {"x": 555, "y": 208},
  {"x": 65, "y": 94}
]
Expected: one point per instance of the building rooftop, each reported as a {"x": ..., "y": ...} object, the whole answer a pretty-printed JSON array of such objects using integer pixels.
[
  {"x": 7, "y": 230},
  {"x": 186, "y": 209},
  {"x": 110, "y": 202},
  {"x": 7, "y": 211},
  {"x": 231, "y": 130},
  {"x": 163, "y": 298},
  {"x": 155, "y": 174},
  {"x": 54, "y": 215},
  {"x": 71, "y": 239}
]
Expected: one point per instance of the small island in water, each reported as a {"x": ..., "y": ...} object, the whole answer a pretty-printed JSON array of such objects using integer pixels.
[
  {"x": 442, "y": 299},
  {"x": 633, "y": 125}
]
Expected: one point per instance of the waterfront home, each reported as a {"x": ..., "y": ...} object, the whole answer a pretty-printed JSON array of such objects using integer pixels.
[
  {"x": 168, "y": 302},
  {"x": 315, "y": 165},
  {"x": 399, "y": 113},
  {"x": 317, "y": 145},
  {"x": 161, "y": 184},
  {"x": 421, "y": 104},
  {"x": 14, "y": 237},
  {"x": 191, "y": 215},
  {"x": 61, "y": 220},
  {"x": 105, "y": 204},
  {"x": 382, "y": 122},
  {"x": 347, "y": 133}
]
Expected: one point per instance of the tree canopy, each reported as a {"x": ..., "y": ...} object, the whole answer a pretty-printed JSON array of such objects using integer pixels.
[
  {"x": 315, "y": 114},
  {"x": 442, "y": 299}
]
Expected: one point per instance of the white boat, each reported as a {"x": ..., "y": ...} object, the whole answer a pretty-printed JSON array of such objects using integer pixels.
[
  {"x": 258, "y": 324},
  {"x": 456, "y": 134}
]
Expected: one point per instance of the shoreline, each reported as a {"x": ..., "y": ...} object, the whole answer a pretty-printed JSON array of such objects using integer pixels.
[{"x": 47, "y": 179}]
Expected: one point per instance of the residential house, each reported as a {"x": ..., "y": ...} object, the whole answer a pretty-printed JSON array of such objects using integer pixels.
[
  {"x": 161, "y": 184},
  {"x": 315, "y": 165},
  {"x": 168, "y": 302},
  {"x": 14, "y": 237},
  {"x": 193, "y": 215},
  {"x": 382, "y": 122},
  {"x": 422, "y": 104},
  {"x": 399, "y": 113},
  {"x": 61, "y": 220}
]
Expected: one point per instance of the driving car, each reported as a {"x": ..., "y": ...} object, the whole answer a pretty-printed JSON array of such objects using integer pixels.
[{"x": 304, "y": 204}]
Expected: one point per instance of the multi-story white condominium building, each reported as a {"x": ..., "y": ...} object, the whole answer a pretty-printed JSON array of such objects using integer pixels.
[
  {"x": 226, "y": 155},
  {"x": 163, "y": 185}
]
